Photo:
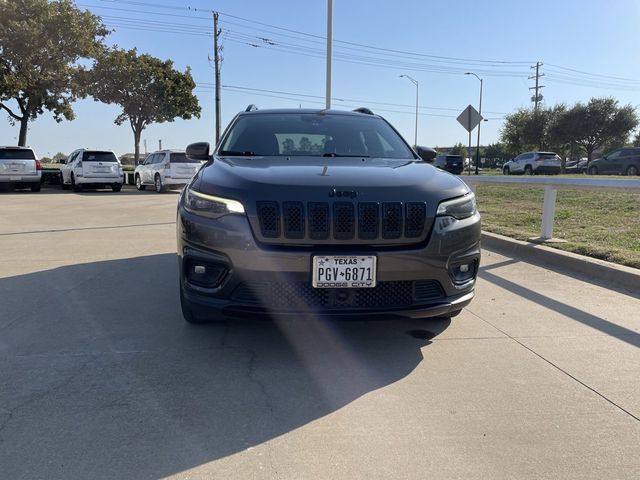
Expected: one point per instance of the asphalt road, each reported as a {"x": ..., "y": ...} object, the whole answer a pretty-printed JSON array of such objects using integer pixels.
[{"x": 101, "y": 378}]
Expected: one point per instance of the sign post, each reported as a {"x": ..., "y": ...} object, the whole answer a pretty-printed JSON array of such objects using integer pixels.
[{"x": 469, "y": 119}]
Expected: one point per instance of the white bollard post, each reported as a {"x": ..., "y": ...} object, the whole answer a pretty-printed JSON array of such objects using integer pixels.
[{"x": 548, "y": 212}]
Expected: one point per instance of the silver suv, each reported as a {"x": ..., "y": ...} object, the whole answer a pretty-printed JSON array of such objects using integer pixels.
[
  {"x": 533, "y": 163},
  {"x": 92, "y": 169},
  {"x": 165, "y": 169},
  {"x": 20, "y": 168}
]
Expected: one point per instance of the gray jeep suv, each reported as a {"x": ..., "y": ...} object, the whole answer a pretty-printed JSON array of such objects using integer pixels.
[{"x": 323, "y": 213}]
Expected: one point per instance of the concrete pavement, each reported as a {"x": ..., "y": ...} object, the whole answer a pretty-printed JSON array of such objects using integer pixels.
[{"x": 101, "y": 378}]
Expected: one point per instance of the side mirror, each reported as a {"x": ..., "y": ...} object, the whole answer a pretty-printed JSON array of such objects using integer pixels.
[
  {"x": 427, "y": 154},
  {"x": 62, "y": 161},
  {"x": 198, "y": 151}
]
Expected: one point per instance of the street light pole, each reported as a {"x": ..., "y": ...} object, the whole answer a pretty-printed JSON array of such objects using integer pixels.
[
  {"x": 479, "y": 124},
  {"x": 415, "y": 82},
  {"x": 329, "y": 52}
]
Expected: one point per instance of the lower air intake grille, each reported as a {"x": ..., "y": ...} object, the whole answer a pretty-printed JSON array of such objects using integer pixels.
[{"x": 301, "y": 296}]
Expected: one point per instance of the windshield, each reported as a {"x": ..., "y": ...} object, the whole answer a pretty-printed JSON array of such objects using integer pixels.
[
  {"x": 99, "y": 157},
  {"x": 16, "y": 154},
  {"x": 181, "y": 158},
  {"x": 311, "y": 134}
]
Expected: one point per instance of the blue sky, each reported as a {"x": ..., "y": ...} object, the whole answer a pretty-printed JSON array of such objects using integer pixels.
[{"x": 597, "y": 37}]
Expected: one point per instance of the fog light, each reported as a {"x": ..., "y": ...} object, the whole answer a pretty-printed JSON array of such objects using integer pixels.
[
  {"x": 463, "y": 272},
  {"x": 208, "y": 275}
]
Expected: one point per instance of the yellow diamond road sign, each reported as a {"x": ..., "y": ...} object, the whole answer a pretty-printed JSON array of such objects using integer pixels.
[{"x": 469, "y": 118}]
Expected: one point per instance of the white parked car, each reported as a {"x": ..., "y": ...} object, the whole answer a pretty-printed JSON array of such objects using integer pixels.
[
  {"x": 92, "y": 169},
  {"x": 20, "y": 168},
  {"x": 165, "y": 168},
  {"x": 533, "y": 163}
]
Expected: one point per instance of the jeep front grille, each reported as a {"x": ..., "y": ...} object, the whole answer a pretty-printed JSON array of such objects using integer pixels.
[{"x": 365, "y": 221}]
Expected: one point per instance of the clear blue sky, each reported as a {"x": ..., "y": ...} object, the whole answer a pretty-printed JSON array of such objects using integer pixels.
[{"x": 598, "y": 37}]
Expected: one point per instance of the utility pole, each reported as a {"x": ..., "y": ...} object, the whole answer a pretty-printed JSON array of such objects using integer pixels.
[
  {"x": 537, "y": 98},
  {"x": 216, "y": 62},
  {"x": 329, "y": 51}
]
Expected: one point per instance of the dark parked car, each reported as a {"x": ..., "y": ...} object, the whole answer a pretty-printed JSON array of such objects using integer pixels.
[
  {"x": 312, "y": 213},
  {"x": 625, "y": 161},
  {"x": 450, "y": 163}
]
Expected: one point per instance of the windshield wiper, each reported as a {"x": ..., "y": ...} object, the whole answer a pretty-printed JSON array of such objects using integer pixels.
[
  {"x": 343, "y": 155},
  {"x": 231, "y": 153}
]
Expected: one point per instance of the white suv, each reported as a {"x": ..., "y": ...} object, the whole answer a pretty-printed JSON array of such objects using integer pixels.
[
  {"x": 533, "y": 163},
  {"x": 165, "y": 168},
  {"x": 92, "y": 169},
  {"x": 20, "y": 168}
]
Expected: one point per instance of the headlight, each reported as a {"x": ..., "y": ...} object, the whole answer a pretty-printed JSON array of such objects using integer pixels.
[
  {"x": 461, "y": 207},
  {"x": 209, "y": 205}
]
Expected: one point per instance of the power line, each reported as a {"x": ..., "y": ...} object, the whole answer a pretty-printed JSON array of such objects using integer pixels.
[{"x": 262, "y": 90}]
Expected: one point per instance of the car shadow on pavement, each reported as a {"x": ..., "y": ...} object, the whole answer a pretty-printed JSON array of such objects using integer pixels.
[
  {"x": 102, "y": 378},
  {"x": 621, "y": 333}
]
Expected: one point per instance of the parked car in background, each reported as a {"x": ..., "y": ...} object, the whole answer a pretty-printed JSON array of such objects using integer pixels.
[
  {"x": 310, "y": 213},
  {"x": 450, "y": 163},
  {"x": 92, "y": 169},
  {"x": 165, "y": 168},
  {"x": 533, "y": 163},
  {"x": 20, "y": 168},
  {"x": 576, "y": 166},
  {"x": 623, "y": 161}
]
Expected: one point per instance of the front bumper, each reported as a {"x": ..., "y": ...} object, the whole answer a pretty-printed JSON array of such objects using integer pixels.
[{"x": 413, "y": 281}]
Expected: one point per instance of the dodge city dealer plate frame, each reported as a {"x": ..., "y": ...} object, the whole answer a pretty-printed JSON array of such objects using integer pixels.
[{"x": 344, "y": 271}]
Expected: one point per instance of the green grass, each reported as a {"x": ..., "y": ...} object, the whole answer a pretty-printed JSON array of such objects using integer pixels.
[{"x": 600, "y": 224}]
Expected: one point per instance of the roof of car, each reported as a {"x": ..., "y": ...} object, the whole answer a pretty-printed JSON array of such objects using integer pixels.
[
  {"x": 306, "y": 111},
  {"x": 15, "y": 147}
]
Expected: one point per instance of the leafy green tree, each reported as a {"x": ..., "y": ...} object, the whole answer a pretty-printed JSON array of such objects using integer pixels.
[
  {"x": 530, "y": 129},
  {"x": 459, "y": 149},
  {"x": 42, "y": 45},
  {"x": 601, "y": 123},
  {"x": 148, "y": 89},
  {"x": 60, "y": 156}
]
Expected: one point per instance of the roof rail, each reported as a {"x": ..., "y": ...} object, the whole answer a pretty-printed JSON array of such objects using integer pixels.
[
  {"x": 251, "y": 108},
  {"x": 364, "y": 110}
]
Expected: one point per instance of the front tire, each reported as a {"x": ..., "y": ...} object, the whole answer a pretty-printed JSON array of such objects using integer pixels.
[
  {"x": 632, "y": 171},
  {"x": 139, "y": 184},
  {"x": 35, "y": 187},
  {"x": 506, "y": 171},
  {"x": 157, "y": 181},
  {"x": 74, "y": 186},
  {"x": 528, "y": 170},
  {"x": 116, "y": 187},
  {"x": 62, "y": 184},
  {"x": 593, "y": 170}
]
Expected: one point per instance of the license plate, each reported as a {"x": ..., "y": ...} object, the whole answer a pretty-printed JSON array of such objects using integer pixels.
[
  {"x": 344, "y": 271},
  {"x": 15, "y": 179}
]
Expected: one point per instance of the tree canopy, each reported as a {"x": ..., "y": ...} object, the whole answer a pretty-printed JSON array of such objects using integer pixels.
[
  {"x": 40, "y": 58},
  {"x": 600, "y": 123},
  {"x": 148, "y": 89}
]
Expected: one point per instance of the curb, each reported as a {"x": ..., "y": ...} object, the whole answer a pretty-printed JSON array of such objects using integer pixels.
[{"x": 592, "y": 269}]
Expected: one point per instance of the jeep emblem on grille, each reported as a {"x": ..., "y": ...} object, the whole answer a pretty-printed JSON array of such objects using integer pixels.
[{"x": 334, "y": 192}]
